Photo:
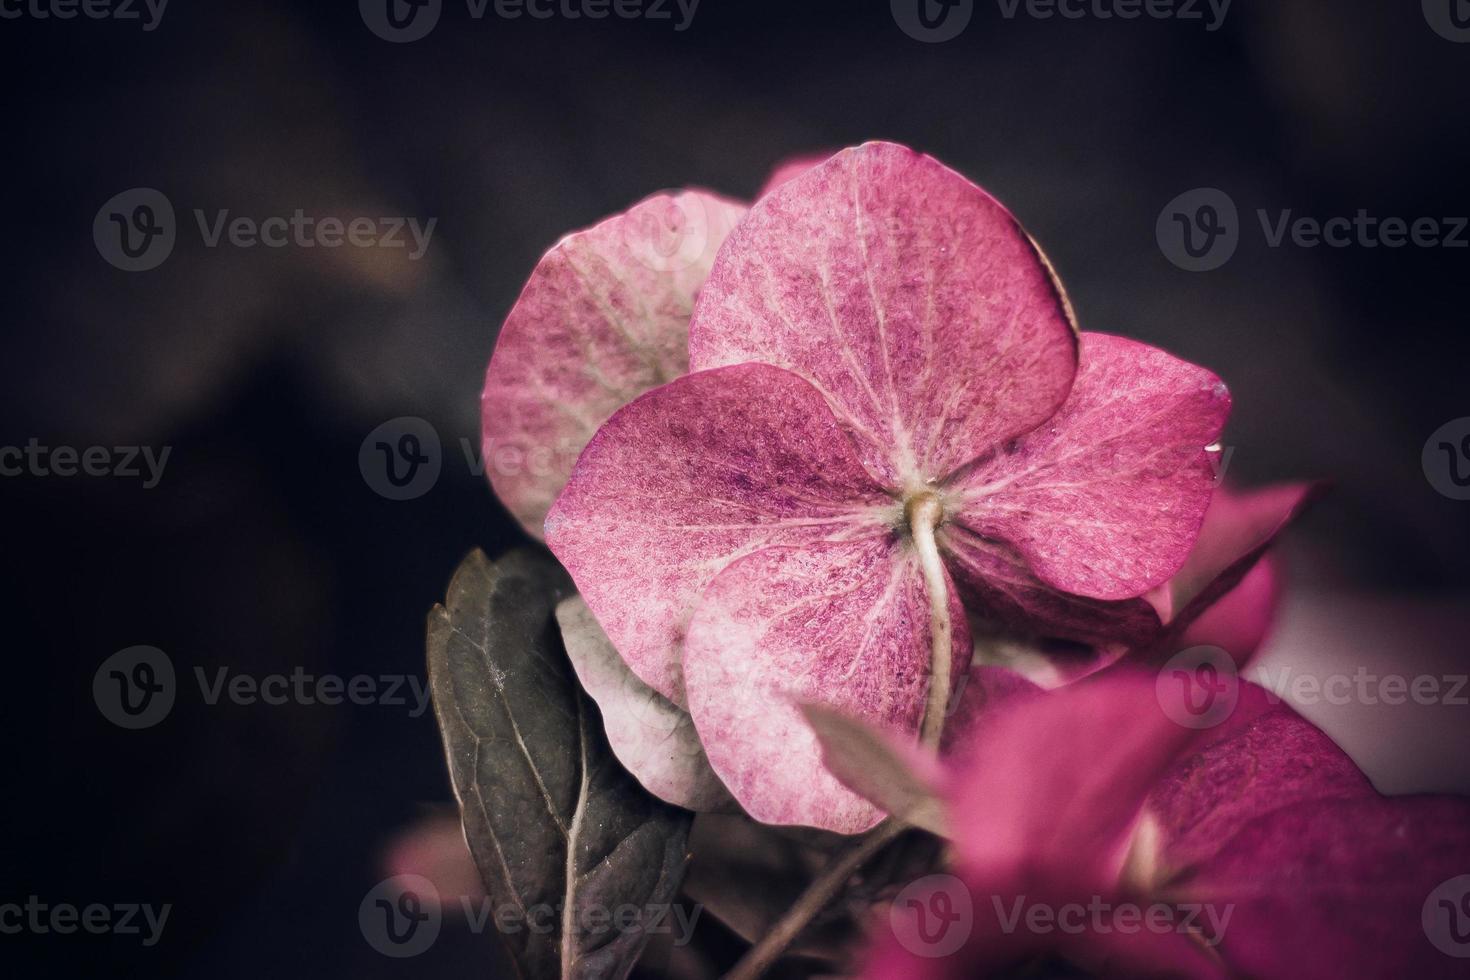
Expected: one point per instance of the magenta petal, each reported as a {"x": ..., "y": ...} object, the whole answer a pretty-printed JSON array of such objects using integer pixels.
[
  {"x": 1275, "y": 759},
  {"x": 842, "y": 624},
  {"x": 1368, "y": 887},
  {"x": 604, "y": 317},
  {"x": 1221, "y": 596},
  {"x": 652, "y": 737},
  {"x": 689, "y": 477},
  {"x": 905, "y": 293},
  {"x": 1055, "y": 783},
  {"x": 1107, "y": 498}
]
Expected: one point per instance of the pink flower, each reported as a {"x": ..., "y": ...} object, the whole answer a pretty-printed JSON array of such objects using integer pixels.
[
  {"x": 889, "y": 407},
  {"x": 1143, "y": 848}
]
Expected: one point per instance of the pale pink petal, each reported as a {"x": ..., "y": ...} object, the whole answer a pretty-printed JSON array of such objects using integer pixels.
[
  {"x": 604, "y": 317},
  {"x": 843, "y": 624},
  {"x": 790, "y": 168},
  {"x": 1107, "y": 498},
  {"x": 905, "y": 293},
  {"x": 689, "y": 477},
  {"x": 1332, "y": 888},
  {"x": 652, "y": 737},
  {"x": 1274, "y": 758}
]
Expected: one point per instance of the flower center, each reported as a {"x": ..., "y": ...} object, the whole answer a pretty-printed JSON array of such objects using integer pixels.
[{"x": 922, "y": 511}]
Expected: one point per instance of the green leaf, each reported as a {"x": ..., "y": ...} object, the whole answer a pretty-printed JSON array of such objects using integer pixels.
[{"x": 565, "y": 840}]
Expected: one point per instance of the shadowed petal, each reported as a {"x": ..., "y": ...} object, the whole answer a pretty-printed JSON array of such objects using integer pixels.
[
  {"x": 652, "y": 737},
  {"x": 1107, "y": 498},
  {"x": 604, "y": 317},
  {"x": 1272, "y": 759},
  {"x": 842, "y": 624},
  {"x": 689, "y": 477},
  {"x": 1336, "y": 888},
  {"x": 1225, "y": 595},
  {"x": 905, "y": 293},
  {"x": 1005, "y": 593}
]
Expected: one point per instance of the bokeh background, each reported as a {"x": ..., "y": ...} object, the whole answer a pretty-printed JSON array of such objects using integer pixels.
[{"x": 264, "y": 549}]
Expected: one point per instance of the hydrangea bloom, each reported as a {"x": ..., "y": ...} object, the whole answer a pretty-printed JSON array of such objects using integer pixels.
[{"x": 889, "y": 405}]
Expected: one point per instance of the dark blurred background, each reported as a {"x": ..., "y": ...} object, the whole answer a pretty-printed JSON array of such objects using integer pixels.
[{"x": 263, "y": 547}]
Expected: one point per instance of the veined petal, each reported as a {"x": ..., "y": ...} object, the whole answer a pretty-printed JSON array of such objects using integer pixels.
[
  {"x": 842, "y": 624},
  {"x": 1272, "y": 758},
  {"x": 1105, "y": 500},
  {"x": 1361, "y": 887},
  {"x": 908, "y": 296},
  {"x": 604, "y": 317},
  {"x": 689, "y": 477}
]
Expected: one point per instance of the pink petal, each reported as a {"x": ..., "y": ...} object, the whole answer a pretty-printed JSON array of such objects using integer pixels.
[
  {"x": 905, "y": 293},
  {"x": 841, "y": 623},
  {"x": 604, "y": 317},
  {"x": 1222, "y": 596},
  {"x": 1107, "y": 498},
  {"x": 1054, "y": 784},
  {"x": 791, "y": 168},
  {"x": 686, "y": 479},
  {"x": 1274, "y": 759},
  {"x": 652, "y": 737},
  {"x": 1347, "y": 888}
]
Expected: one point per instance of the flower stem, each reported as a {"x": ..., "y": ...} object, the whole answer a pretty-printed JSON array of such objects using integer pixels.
[
  {"x": 758, "y": 959},
  {"x": 924, "y": 514}
]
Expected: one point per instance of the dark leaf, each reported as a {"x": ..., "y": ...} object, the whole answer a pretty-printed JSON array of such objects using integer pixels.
[{"x": 565, "y": 840}]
